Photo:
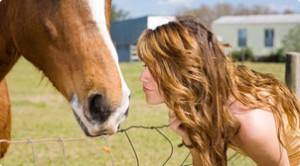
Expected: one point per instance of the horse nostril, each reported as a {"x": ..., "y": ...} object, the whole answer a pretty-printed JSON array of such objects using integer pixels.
[{"x": 98, "y": 108}]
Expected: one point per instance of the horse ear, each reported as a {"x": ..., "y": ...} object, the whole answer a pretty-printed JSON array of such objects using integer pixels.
[{"x": 51, "y": 29}]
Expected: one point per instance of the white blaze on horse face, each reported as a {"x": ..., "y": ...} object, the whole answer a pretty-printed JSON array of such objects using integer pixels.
[{"x": 98, "y": 12}]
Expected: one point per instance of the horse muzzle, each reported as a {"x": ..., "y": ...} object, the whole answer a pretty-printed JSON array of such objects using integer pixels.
[{"x": 97, "y": 118}]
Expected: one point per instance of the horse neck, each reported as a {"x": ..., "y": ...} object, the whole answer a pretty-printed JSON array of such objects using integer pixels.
[
  {"x": 8, "y": 51},
  {"x": 3, "y": 20}
]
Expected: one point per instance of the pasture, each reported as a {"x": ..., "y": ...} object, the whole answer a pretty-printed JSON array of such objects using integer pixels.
[{"x": 39, "y": 111}]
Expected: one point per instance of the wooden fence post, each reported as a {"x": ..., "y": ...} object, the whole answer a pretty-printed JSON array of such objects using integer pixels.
[{"x": 292, "y": 72}]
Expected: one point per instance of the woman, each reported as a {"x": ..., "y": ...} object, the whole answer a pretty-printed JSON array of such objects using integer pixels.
[{"x": 215, "y": 104}]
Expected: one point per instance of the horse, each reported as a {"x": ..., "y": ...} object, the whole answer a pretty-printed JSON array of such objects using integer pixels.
[
  {"x": 69, "y": 42},
  {"x": 5, "y": 117}
]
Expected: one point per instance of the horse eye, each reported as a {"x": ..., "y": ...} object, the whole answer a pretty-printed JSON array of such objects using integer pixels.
[{"x": 51, "y": 29}]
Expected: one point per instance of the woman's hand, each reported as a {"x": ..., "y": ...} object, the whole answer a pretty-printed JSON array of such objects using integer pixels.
[{"x": 175, "y": 125}]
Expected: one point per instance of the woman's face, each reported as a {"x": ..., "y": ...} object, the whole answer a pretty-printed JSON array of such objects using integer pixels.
[{"x": 150, "y": 88}]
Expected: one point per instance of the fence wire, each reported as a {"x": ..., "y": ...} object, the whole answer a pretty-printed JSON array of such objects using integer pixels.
[{"x": 234, "y": 158}]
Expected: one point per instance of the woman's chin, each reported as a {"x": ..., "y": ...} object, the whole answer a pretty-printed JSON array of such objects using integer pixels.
[{"x": 154, "y": 102}]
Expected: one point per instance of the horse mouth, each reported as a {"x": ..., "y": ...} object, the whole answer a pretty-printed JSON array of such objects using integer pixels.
[
  {"x": 83, "y": 127},
  {"x": 86, "y": 130}
]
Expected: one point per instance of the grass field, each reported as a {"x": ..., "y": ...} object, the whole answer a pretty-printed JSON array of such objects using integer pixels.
[{"x": 39, "y": 111}]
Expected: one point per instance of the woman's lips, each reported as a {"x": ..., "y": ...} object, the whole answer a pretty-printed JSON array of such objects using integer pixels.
[{"x": 147, "y": 88}]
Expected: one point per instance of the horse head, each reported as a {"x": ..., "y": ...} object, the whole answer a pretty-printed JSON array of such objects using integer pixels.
[{"x": 70, "y": 43}]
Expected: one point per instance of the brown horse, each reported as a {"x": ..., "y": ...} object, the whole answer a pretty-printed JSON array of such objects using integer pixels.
[
  {"x": 5, "y": 117},
  {"x": 69, "y": 42}
]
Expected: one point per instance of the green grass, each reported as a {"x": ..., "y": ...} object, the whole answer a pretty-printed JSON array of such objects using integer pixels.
[{"x": 39, "y": 111}]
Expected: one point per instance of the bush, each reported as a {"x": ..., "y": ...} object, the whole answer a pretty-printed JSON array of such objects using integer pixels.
[
  {"x": 291, "y": 42},
  {"x": 244, "y": 54},
  {"x": 278, "y": 56}
]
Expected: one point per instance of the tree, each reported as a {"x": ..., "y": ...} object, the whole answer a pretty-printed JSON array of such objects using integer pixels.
[
  {"x": 291, "y": 42},
  {"x": 118, "y": 14},
  {"x": 208, "y": 14},
  {"x": 288, "y": 11}
]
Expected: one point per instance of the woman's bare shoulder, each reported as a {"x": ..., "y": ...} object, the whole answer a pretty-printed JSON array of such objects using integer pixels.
[
  {"x": 257, "y": 136},
  {"x": 253, "y": 121}
]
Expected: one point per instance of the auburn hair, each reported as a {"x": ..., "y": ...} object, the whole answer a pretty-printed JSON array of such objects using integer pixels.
[{"x": 197, "y": 80}]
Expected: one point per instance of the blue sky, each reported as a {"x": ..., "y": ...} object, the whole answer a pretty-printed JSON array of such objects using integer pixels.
[{"x": 139, "y": 8}]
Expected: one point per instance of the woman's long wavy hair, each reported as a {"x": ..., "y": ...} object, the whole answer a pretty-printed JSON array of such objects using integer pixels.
[{"x": 197, "y": 80}]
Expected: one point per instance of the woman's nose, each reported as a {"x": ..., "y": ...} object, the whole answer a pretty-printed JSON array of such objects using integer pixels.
[{"x": 143, "y": 76}]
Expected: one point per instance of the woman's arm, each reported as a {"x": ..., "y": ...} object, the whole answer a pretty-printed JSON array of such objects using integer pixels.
[
  {"x": 174, "y": 124},
  {"x": 258, "y": 138}
]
